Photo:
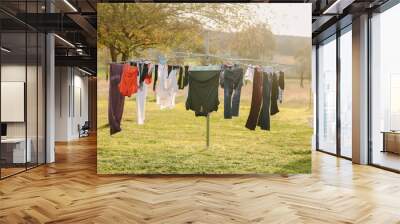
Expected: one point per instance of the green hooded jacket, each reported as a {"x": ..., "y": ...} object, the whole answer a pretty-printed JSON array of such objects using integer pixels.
[{"x": 203, "y": 92}]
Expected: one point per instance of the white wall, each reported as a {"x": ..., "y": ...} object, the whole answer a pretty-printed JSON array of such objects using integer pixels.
[
  {"x": 71, "y": 87},
  {"x": 13, "y": 73},
  {"x": 61, "y": 115},
  {"x": 81, "y": 94}
]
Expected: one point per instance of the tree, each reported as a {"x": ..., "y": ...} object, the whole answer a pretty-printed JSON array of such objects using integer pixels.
[
  {"x": 255, "y": 42},
  {"x": 130, "y": 29},
  {"x": 303, "y": 63}
]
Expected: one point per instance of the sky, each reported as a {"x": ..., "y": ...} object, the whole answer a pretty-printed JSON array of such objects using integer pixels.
[
  {"x": 293, "y": 19},
  {"x": 285, "y": 18}
]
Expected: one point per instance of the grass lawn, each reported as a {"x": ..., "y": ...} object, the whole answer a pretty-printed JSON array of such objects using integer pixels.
[{"x": 174, "y": 141}]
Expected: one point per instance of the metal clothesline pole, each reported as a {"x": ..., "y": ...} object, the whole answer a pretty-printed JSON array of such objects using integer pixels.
[
  {"x": 208, "y": 114},
  {"x": 208, "y": 130},
  {"x": 207, "y": 48}
]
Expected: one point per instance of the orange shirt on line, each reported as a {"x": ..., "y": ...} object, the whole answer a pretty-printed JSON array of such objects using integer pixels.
[{"x": 128, "y": 84}]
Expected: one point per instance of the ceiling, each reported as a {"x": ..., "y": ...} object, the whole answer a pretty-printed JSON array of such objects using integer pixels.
[
  {"x": 330, "y": 15},
  {"x": 74, "y": 22}
]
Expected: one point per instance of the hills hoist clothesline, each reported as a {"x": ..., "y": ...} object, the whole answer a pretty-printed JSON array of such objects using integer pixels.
[
  {"x": 133, "y": 77},
  {"x": 210, "y": 68}
]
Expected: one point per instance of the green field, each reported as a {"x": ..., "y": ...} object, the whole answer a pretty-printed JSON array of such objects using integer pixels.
[{"x": 174, "y": 141}]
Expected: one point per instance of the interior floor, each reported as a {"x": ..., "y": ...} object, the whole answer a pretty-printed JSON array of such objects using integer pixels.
[
  {"x": 12, "y": 169},
  {"x": 70, "y": 191},
  {"x": 387, "y": 159}
]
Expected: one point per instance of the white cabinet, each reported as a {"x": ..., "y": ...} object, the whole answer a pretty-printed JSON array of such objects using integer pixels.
[{"x": 19, "y": 154}]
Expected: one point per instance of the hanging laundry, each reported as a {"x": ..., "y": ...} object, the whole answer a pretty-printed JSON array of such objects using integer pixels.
[
  {"x": 155, "y": 77},
  {"x": 256, "y": 100},
  {"x": 128, "y": 84},
  {"x": 232, "y": 84},
  {"x": 268, "y": 69},
  {"x": 203, "y": 91},
  {"x": 282, "y": 80},
  {"x": 166, "y": 87},
  {"x": 281, "y": 85},
  {"x": 182, "y": 77},
  {"x": 141, "y": 103},
  {"x": 264, "y": 116},
  {"x": 186, "y": 76},
  {"x": 169, "y": 69},
  {"x": 274, "y": 93},
  {"x": 148, "y": 77},
  {"x": 248, "y": 76},
  {"x": 115, "y": 99},
  {"x": 260, "y": 101},
  {"x": 144, "y": 73}
]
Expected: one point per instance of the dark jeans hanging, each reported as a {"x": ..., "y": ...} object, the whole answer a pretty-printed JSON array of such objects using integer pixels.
[
  {"x": 274, "y": 94},
  {"x": 233, "y": 82},
  {"x": 260, "y": 102},
  {"x": 115, "y": 99},
  {"x": 231, "y": 99},
  {"x": 180, "y": 78},
  {"x": 186, "y": 76},
  {"x": 155, "y": 77},
  {"x": 143, "y": 71},
  {"x": 281, "y": 80},
  {"x": 264, "y": 117},
  {"x": 256, "y": 100}
]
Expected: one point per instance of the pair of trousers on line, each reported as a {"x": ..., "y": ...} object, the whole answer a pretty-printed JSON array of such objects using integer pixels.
[
  {"x": 115, "y": 99},
  {"x": 260, "y": 102},
  {"x": 232, "y": 93},
  {"x": 141, "y": 103},
  {"x": 274, "y": 94}
]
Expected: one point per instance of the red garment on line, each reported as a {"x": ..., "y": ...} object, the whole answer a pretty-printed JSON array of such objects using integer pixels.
[
  {"x": 128, "y": 84},
  {"x": 147, "y": 77}
]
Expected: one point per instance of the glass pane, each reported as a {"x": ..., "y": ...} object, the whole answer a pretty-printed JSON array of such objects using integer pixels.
[
  {"x": 32, "y": 86},
  {"x": 22, "y": 88},
  {"x": 327, "y": 96},
  {"x": 41, "y": 99},
  {"x": 386, "y": 89},
  {"x": 31, "y": 100},
  {"x": 346, "y": 93},
  {"x": 13, "y": 85}
]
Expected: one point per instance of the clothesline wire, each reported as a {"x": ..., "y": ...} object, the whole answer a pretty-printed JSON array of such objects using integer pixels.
[
  {"x": 194, "y": 55},
  {"x": 189, "y": 54}
]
